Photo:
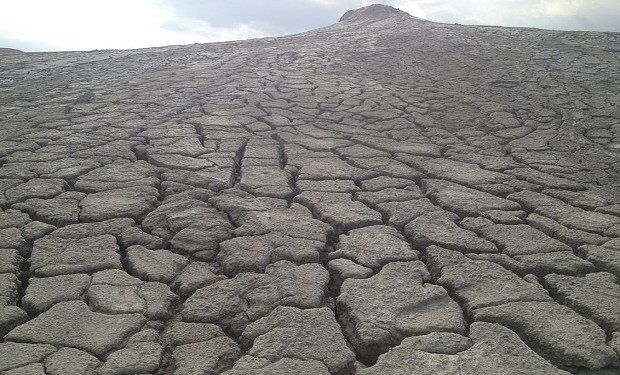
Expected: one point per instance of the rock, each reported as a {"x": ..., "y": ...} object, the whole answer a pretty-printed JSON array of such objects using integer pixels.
[
  {"x": 118, "y": 175},
  {"x": 146, "y": 335},
  {"x": 8, "y": 289},
  {"x": 572, "y": 237},
  {"x": 373, "y": 247},
  {"x": 378, "y": 312},
  {"x": 206, "y": 357},
  {"x": 406, "y": 147},
  {"x": 36, "y": 229},
  {"x": 115, "y": 299},
  {"x": 61, "y": 210},
  {"x": 133, "y": 202},
  {"x": 238, "y": 204},
  {"x": 190, "y": 225},
  {"x": 176, "y": 161},
  {"x": 112, "y": 227},
  {"x": 198, "y": 237},
  {"x": 385, "y": 182},
  {"x": 10, "y": 261},
  {"x": 155, "y": 300},
  {"x": 196, "y": 275},
  {"x": 154, "y": 265},
  {"x": 181, "y": 333},
  {"x": 612, "y": 209},
  {"x": 43, "y": 293},
  {"x": 14, "y": 355},
  {"x": 594, "y": 296},
  {"x": 401, "y": 213},
  {"x": 160, "y": 300},
  {"x": 214, "y": 180},
  {"x": 135, "y": 236},
  {"x": 338, "y": 210},
  {"x": 464, "y": 201},
  {"x": 11, "y": 238},
  {"x": 295, "y": 221},
  {"x": 438, "y": 228},
  {"x": 188, "y": 146},
  {"x": 385, "y": 165},
  {"x": 555, "y": 332},
  {"x": 175, "y": 214},
  {"x": 360, "y": 151},
  {"x": 328, "y": 186},
  {"x": 236, "y": 302},
  {"x": 581, "y": 199},
  {"x": 546, "y": 180},
  {"x": 115, "y": 277},
  {"x": 327, "y": 166},
  {"x": 35, "y": 188},
  {"x": 505, "y": 217},
  {"x": 289, "y": 332},
  {"x": 122, "y": 149},
  {"x": 494, "y": 350},
  {"x": 373, "y": 198},
  {"x": 32, "y": 369},
  {"x": 167, "y": 133},
  {"x": 248, "y": 365},
  {"x": 256, "y": 216},
  {"x": 342, "y": 269},
  {"x": 70, "y": 361},
  {"x": 5, "y": 184},
  {"x": 520, "y": 239},
  {"x": 267, "y": 181},
  {"x": 562, "y": 262},
  {"x": 436, "y": 342},
  {"x": 615, "y": 342},
  {"x": 138, "y": 359},
  {"x": 498, "y": 190},
  {"x": 53, "y": 255},
  {"x": 11, "y": 317},
  {"x": 565, "y": 214},
  {"x": 13, "y": 219},
  {"x": 73, "y": 324},
  {"x": 603, "y": 258},
  {"x": 479, "y": 283},
  {"x": 254, "y": 253},
  {"x": 459, "y": 172}
]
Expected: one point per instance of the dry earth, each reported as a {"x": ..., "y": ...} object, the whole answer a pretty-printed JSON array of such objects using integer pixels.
[{"x": 385, "y": 195}]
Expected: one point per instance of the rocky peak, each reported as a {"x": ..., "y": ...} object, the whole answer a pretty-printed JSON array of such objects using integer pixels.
[{"x": 373, "y": 12}]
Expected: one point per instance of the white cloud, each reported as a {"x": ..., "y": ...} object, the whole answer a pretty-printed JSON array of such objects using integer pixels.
[
  {"x": 87, "y": 25},
  {"x": 434, "y": 10},
  {"x": 325, "y": 2},
  {"x": 561, "y": 7},
  {"x": 599, "y": 15}
]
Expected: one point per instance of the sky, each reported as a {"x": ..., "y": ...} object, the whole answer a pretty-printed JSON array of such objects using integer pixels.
[{"x": 84, "y": 25}]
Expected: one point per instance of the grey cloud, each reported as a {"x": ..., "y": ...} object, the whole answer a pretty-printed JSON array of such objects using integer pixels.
[
  {"x": 275, "y": 17},
  {"x": 594, "y": 15},
  {"x": 29, "y": 45}
]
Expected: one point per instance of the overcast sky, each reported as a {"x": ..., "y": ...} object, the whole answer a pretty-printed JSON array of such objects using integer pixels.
[{"x": 54, "y": 25}]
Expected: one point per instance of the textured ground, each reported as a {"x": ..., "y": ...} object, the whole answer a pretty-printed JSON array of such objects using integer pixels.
[{"x": 382, "y": 196}]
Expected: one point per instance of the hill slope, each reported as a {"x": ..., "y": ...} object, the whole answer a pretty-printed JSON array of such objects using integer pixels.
[{"x": 382, "y": 195}]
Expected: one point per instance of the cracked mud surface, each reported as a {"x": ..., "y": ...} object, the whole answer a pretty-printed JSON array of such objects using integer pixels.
[{"x": 385, "y": 195}]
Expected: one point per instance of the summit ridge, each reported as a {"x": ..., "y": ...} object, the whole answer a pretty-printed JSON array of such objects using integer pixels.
[{"x": 374, "y": 12}]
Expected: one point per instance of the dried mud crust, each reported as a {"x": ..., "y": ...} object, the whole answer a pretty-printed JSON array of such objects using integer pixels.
[{"x": 385, "y": 195}]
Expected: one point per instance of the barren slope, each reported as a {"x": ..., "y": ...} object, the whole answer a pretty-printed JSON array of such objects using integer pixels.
[{"x": 385, "y": 195}]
